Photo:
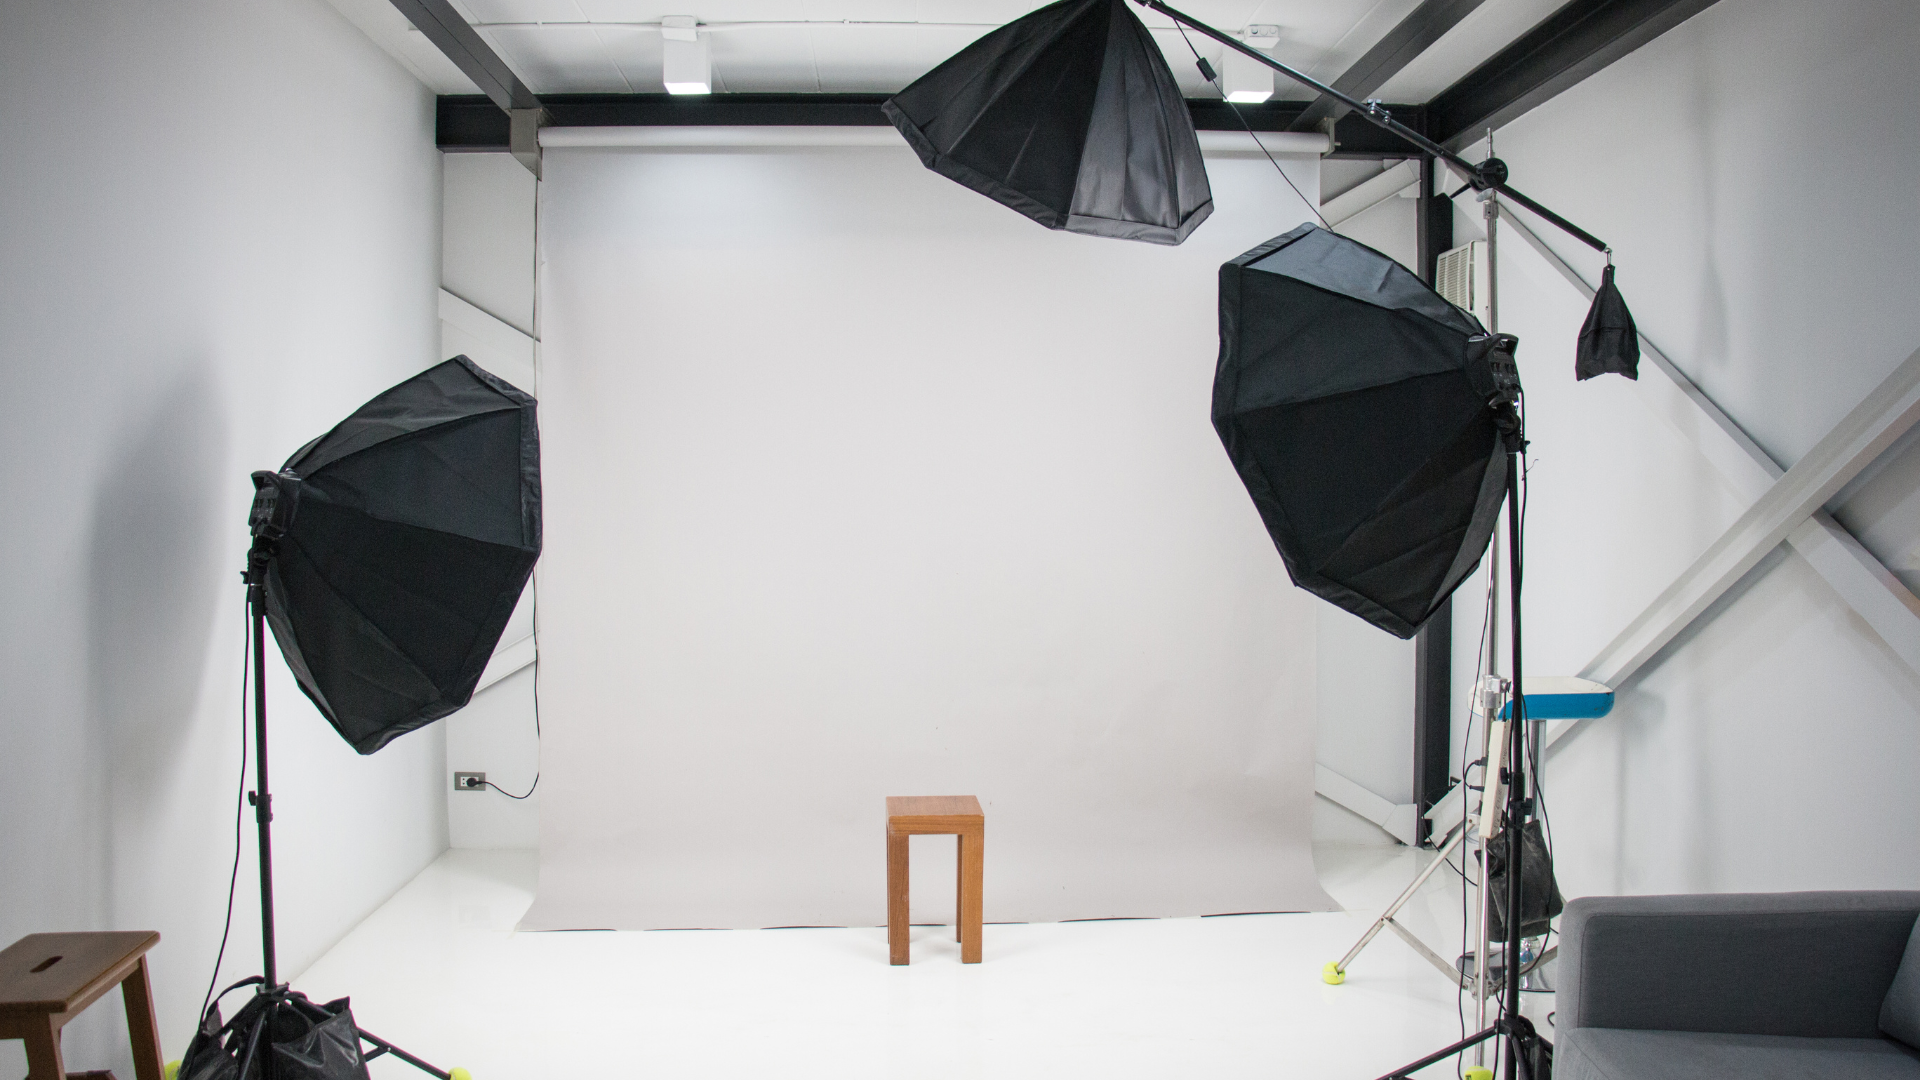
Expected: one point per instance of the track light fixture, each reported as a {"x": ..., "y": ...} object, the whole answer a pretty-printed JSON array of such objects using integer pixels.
[
  {"x": 686, "y": 65},
  {"x": 1246, "y": 80}
]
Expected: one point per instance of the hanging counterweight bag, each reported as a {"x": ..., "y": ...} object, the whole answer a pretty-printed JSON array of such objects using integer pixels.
[
  {"x": 1539, "y": 892},
  {"x": 304, "y": 1040}
]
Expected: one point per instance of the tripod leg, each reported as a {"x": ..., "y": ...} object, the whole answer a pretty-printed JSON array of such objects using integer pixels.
[
  {"x": 1336, "y": 973},
  {"x": 385, "y": 1047},
  {"x": 1467, "y": 1043}
]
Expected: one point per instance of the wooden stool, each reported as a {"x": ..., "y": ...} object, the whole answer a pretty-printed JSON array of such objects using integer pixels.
[
  {"x": 47, "y": 979},
  {"x": 960, "y": 816}
]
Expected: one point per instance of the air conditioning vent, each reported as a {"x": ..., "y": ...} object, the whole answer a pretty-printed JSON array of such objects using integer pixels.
[{"x": 1462, "y": 277}]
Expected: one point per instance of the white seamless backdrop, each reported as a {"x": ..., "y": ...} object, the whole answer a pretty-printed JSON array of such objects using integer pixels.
[{"x": 859, "y": 484}]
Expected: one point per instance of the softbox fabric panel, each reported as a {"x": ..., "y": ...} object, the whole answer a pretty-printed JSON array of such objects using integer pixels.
[
  {"x": 1070, "y": 116},
  {"x": 1353, "y": 402},
  {"x": 409, "y": 532}
]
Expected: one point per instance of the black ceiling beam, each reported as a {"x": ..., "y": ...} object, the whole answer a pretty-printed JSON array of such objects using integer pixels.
[
  {"x": 472, "y": 123},
  {"x": 1566, "y": 47},
  {"x": 1414, "y": 34},
  {"x": 463, "y": 45}
]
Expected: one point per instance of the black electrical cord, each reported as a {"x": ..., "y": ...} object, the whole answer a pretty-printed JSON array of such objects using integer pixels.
[
  {"x": 536, "y": 710},
  {"x": 239, "y": 813},
  {"x": 509, "y": 794},
  {"x": 1207, "y": 73}
]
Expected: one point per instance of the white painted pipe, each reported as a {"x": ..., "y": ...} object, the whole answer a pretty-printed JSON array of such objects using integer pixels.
[{"x": 689, "y": 137}]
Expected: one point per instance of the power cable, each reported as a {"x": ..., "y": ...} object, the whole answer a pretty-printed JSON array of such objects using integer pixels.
[
  {"x": 1207, "y": 73},
  {"x": 239, "y": 810}
]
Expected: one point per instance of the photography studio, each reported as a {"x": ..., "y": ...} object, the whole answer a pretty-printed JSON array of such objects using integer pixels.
[{"x": 960, "y": 539}]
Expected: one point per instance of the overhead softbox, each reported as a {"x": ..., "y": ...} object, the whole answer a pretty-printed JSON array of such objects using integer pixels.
[
  {"x": 1070, "y": 116},
  {"x": 400, "y": 542},
  {"x": 1358, "y": 407}
]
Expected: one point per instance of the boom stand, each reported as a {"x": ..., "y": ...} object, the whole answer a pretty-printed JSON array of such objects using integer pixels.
[
  {"x": 1521, "y": 1039},
  {"x": 277, "y": 994}
]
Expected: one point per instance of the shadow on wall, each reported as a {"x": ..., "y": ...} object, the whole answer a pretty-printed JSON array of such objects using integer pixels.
[{"x": 154, "y": 573}]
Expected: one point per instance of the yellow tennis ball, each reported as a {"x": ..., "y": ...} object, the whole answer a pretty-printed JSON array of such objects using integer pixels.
[
  {"x": 173, "y": 1069},
  {"x": 1478, "y": 1072},
  {"x": 1331, "y": 973},
  {"x": 462, "y": 1074}
]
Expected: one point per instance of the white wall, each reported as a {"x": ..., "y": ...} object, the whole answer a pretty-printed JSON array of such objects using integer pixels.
[
  {"x": 218, "y": 235},
  {"x": 1364, "y": 675},
  {"x": 1761, "y": 204},
  {"x": 860, "y": 484},
  {"x": 487, "y": 260}
]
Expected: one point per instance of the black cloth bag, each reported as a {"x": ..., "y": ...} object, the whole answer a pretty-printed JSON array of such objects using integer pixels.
[
  {"x": 304, "y": 1040},
  {"x": 1539, "y": 892}
]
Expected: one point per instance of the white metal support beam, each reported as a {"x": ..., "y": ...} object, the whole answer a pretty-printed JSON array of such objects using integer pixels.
[
  {"x": 1851, "y": 446},
  {"x": 1369, "y": 194},
  {"x": 1396, "y": 819},
  {"x": 1790, "y": 514},
  {"x": 1860, "y": 579}
]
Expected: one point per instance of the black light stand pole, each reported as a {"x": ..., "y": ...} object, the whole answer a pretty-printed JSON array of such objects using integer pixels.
[
  {"x": 1518, "y": 805},
  {"x": 262, "y": 797},
  {"x": 263, "y": 551},
  {"x": 1518, "y": 1031}
]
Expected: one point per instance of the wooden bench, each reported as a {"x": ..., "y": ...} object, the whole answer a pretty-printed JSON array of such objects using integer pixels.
[
  {"x": 957, "y": 815},
  {"x": 47, "y": 979}
]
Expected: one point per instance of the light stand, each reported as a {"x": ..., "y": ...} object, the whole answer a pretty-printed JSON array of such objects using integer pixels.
[
  {"x": 273, "y": 995},
  {"x": 1521, "y": 1039}
]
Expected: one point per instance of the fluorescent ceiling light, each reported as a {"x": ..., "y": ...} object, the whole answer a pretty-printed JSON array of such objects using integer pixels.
[
  {"x": 685, "y": 65},
  {"x": 1245, "y": 80}
]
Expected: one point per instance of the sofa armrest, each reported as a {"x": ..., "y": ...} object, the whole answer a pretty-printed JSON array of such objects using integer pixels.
[{"x": 1813, "y": 964}]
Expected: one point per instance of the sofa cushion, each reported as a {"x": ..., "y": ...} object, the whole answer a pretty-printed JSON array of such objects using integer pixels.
[
  {"x": 1622, "y": 1054},
  {"x": 1900, "y": 1012}
]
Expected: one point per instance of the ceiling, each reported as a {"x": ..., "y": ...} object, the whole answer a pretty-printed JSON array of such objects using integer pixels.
[{"x": 879, "y": 46}]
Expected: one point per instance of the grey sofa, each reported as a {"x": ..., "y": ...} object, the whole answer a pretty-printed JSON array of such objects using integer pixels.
[{"x": 1755, "y": 986}]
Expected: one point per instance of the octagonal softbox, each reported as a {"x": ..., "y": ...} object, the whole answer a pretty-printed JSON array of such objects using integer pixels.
[
  {"x": 401, "y": 541},
  {"x": 1357, "y": 407},
  {"x": 1069, "y": 115}
]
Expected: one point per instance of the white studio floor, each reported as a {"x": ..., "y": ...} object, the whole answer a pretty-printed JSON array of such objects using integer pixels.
[{"x": 439, "y": 970}]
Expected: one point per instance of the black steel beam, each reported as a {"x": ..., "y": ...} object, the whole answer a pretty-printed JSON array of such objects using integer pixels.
[
  {"x": 1566, "y": 47},
  {"x": 1433, "y": 646},
  {"x": 1413, "y": 35},
  {"x": 469, "y": 52},
  {"x": 471, "y": 123},
  {"x": 1432, "y": 716}
]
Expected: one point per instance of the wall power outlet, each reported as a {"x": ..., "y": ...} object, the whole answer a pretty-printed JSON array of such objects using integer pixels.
[{"x": 469, "y": 781}]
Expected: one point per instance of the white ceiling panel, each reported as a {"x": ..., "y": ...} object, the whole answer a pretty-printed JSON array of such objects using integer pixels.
[
  {"x": 856, "y": 58},
  {"x": 635, "y": 54},
  {"x": 559, "y": 59},
  {"x": 523, "y": 11},
  {"x": 996, "y": 12},
  {"x": 764, "y": 60}
]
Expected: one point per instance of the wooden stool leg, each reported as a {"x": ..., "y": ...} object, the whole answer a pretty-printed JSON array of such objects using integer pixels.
[
  {"x": 897, "y": 927},
  {"x": 143, "y": 1029},
  {"x": 959, "y": 886},
  {"x": 972, "y": 866},
  {"x": 43, "y": 1050}
]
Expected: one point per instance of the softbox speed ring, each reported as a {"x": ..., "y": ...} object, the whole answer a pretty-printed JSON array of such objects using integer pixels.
[{"x": 1363, "y": 413}]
